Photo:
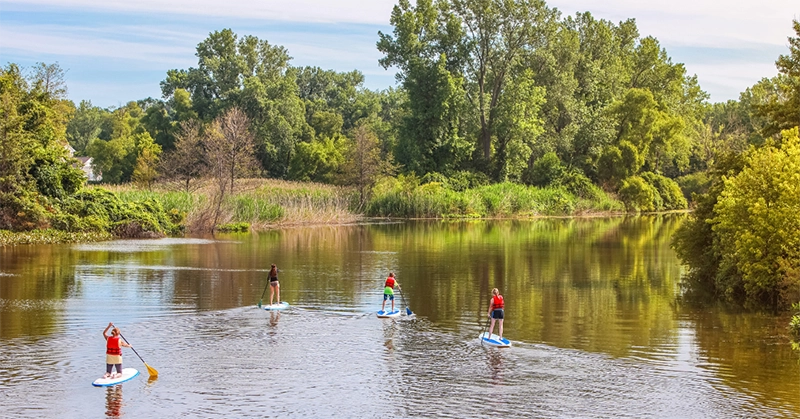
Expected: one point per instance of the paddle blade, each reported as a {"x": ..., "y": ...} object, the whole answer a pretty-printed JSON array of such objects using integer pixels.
[
  {"x": 408, "y": 311},
  {"x": 151, "y": 370},
  {"x": 259, "y": 303}
]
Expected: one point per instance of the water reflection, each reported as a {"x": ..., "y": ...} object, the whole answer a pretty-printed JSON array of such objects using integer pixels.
[
  {"x": 274, "y": 316},
  {"x": 114, "y": 401},
  {"x": 590, "y": 306}
]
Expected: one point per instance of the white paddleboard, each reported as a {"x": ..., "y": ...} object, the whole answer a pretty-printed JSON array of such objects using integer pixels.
[
  {"x": 283, "y": 305},
  {"x": 494, "y": 340},
  {"x": 388, "y": 314},
  {"x": 127, "y": 374}
]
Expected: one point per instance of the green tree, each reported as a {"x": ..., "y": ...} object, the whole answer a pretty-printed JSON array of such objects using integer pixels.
[
  {"x": 456, "y": 53},
  {"x": 758, "y": 217},
  {"x": 85, "y": 126},
  {"x": 254, "y": 76},
  {"x": 781, "y": 109},
  {"x": 364, "y": 164},
  {"x": 34, "y": 165},
  {"x": 431, "y": 137},
  {"x": 147, "y": 160}
]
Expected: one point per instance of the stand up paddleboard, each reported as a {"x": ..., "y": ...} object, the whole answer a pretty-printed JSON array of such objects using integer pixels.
[
  {"x": 495, "y": 340},
  {"x": 127, "y": 374},
  {"x": 283, "y": 305},
  {"x": 382, "y": 314}
]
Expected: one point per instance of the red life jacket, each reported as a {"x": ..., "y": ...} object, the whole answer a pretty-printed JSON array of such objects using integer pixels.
[
  {"x": 497, "y": 302},
  {"x": 112, "y": 346},
  {"x": 389, "y": 282}
]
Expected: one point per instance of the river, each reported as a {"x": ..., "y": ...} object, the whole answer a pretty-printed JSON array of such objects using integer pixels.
[{"x": 592, "y": 309}]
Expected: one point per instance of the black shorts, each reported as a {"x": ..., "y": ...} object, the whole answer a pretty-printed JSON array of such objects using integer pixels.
[{"x": 497, "y": 314}]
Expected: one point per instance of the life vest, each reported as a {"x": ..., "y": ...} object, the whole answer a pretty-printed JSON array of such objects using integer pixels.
[
  {"x": 389, "y": 282},
  {"x": 497, "y": 302},
  {"x": 112, "y": 346}
]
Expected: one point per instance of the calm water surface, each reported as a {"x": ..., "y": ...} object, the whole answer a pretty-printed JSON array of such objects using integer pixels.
[{"x": 590, "y": 308}]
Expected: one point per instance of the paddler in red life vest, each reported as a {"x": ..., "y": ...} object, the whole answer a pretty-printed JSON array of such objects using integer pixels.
[
  {"x": 496, "y": 312},
  {"x": 114, "y": 346},
  {"x": 388, "y": 290}
]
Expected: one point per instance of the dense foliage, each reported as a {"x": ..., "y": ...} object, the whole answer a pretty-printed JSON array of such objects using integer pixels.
[{"x": 741, "y": 242}]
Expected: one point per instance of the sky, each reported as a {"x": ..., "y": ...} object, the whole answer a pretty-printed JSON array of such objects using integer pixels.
[{"x": 116, "y": 51}]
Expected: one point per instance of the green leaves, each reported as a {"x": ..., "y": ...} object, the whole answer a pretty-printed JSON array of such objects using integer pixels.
[{"x": 757, "y": 220}]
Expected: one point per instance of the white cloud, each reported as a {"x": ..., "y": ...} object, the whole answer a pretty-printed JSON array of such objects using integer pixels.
[
  {"x": 346, "y": 11},
  {"x": 699, "y": 22},
  {"x": 66, "y": 41}
]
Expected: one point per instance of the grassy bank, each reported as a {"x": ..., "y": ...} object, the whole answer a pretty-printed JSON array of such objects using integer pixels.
[
  {"x": 269, "y": 203},
  {"x": 260, "y": 204},
  {"x": 394, "y": 198}
]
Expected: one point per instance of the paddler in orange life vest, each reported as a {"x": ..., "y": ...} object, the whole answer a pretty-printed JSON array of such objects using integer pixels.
[
  {"x": 114, "y": 346},
  {"x": 496, "y": 312},
  {"x": 388, "y": 290}
]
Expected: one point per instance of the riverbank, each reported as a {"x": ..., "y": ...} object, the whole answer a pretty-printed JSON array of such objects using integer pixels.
[{"x": 264, "y": 204}]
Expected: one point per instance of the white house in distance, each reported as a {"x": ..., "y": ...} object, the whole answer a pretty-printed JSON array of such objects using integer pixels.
[{"x": 85, "y": 164}]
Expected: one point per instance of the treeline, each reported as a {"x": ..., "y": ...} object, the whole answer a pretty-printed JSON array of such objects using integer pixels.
[
  {"x": 741, "y": 242},
  {"x": 489, "y": 92}
]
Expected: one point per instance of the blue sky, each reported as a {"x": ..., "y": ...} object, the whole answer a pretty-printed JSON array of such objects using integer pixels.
[{"x": 115, "y": 51}]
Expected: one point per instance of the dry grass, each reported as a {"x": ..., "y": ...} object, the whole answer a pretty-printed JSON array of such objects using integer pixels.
[{"x": 263, "y": 203}]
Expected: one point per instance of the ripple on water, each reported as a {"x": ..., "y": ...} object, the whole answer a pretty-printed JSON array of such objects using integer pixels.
[
  {"x": 247, "y": 362},
  {"x": 142, "y": 245}
]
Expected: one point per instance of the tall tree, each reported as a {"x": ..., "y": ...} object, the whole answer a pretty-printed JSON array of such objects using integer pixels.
[
  {"x": 254, "y": 76},
  {"x": 432, "y": 133},
  {"x": 187, "y": 162},
  {"x": 364, "y": 164},
  {"x": 782, "y": 108},
  {"x": 85, "y": 126},
  {"x": 475, "y": 46},
  {"x": 34, "y": 164},
  {"x": 230, "y": 148}
]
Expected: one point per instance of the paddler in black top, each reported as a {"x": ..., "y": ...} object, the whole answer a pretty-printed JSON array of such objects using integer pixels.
[{"x": 274, "y": 286}]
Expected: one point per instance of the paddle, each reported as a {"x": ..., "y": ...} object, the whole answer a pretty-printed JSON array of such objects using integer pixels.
[
  {"x": 262, "y": 294},
  {"x": 408, "y": 310},
  {"x": 151, "y": 370},
  {"x": 485, "y": 329}
]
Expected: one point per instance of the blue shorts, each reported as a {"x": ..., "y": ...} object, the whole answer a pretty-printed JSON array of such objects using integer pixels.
[
  {"x": 388, "y": 297},
  {"x": 498, "y": 314}
]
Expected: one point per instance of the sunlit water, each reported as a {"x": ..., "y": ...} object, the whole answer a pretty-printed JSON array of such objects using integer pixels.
[{"x": 590, "y": 309}]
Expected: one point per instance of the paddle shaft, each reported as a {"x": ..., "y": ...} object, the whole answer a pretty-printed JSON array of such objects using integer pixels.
[
  {"x": 263, "y": 292},
  {"x": 400, "y": 290},
  {"x": 150, "y": 369},
  {"x": 485, "y": 329},
  {"x": 134, "y": 350}
]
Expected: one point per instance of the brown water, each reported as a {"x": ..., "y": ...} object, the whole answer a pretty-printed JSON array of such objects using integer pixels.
[{"x": 590, "y": 308}]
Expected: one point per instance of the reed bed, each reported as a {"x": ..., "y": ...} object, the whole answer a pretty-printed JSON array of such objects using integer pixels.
[
  {"x": 262, "y": 203},
  {"x": 269, "y": 203}
]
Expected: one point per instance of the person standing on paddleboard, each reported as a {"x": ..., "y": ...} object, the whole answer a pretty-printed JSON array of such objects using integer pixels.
[
  {"x": 496, "y": 312},
  {"x": 114, "y": 345},
  {"x": 388, "y": 290},
  {"x": 274, "y": 286}
]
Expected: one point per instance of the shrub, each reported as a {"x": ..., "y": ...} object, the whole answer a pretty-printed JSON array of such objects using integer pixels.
[
  {"x": 547, "y": 170},
  {"x": 669, "y": 193},
  {"x": 694, "y": 184},
  {"x": 637, "y": 194}
]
